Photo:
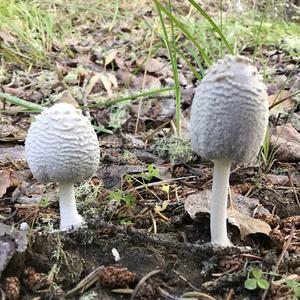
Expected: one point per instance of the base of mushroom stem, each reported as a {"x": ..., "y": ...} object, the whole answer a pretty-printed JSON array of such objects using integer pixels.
[
  {"x": 223, "y": 243},
  {"x": 74, "y": 223}
]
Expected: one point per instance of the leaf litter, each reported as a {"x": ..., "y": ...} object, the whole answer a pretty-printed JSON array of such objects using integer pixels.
[{"x": 137, "y": 210}]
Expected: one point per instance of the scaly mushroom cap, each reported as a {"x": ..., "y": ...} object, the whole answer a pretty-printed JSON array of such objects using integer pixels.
[
  {"x": 229, "y": 111},
  {"x": 62, "y": 146}
]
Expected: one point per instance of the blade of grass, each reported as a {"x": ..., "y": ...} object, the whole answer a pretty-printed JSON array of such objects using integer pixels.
[
  {"x": 187, "y": 60},
  {"x": 259, "y": 30},
  {"x": 132, "y": 97},
  {"x": 182, "y": 27},
  {"x": 89, "y": 8},
  {"x": 174, "y": 68},
  {"x": 20, "y": 102},
  {"x": 114, "y": 17},
  {"x": 176, "y": 79},
  {"x": 213, "y": 24}
]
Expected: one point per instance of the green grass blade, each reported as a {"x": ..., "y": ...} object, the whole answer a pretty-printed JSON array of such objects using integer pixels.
[
  {"x": 20, "y": 102},
  {"x": 188, "y": 62},
  {"x": 213, "y": 24},
  {"x": 132, "y": 97},
  {"x": 182, "y": 27},
  {"x": 174, "y": 69}
]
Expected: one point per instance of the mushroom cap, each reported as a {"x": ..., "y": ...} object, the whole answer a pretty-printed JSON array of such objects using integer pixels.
[
  {"x": 229, "y": 113},
  {"x": 62, "y": 146}
]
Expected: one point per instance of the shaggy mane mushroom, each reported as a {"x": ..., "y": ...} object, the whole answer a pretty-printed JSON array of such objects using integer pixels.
[
  {"x": 229, "y": 117},
  {"x": 62, "y": 146}
]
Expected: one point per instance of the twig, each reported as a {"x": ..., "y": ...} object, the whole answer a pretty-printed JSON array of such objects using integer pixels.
[
  {"x": 284, "y": 250},
  {"x": 186, "y": 281},
  {"x": 284, "y": 99},
  {"x": 161, "y": 182},
  {"x": 153, "y": 223},
  {"x": 229, "y": 295},
  {"x": 148, "y": 136},
  {"x": 85, "y": 283},
  {"x": 294, "y": 190},
  {"x": 142, "y": 281},
  {"x": 85, "y": 95}
]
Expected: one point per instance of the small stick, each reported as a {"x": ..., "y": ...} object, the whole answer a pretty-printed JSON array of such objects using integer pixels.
[
  {"x": 153, "y": 223},
  {"x": 186, "y": 281},
  {"x": 229, "y": 295},
  {"x": 294, "y": 190},
  {"x": 161, "y": 182},
  {"x": 86, "y": 282},
  {"x": 284, "y": 99},
  {"x": 84, "y": 98},
  {"x": 284, "y": 250},
  {"x": 142, "y": 281}
]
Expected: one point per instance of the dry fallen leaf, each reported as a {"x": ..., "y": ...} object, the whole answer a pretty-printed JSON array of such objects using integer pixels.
[
  {"x": 283, "y": 107},
  {"x": 10, "y": 132},
  {"x": 7, "y": 37},
  {"x": 150, "y": 82},
  {"x": 106, "y": 83},
  {"x": 12, "y": 153},
  {"x": 113, "y": 80},
  {"x": 110, "y": 57},
  {"x": 93, "y": 80},
  {"x": 67, "y": 97},
  {"x": 286, "y": 140},
  {"x": 241, "y": 216},
  {"x": 4, "y": 181},
  {"x": 278, "y": 179},
  {"x": 152, "y": 65},
  {"x": 247, "y": 225}
]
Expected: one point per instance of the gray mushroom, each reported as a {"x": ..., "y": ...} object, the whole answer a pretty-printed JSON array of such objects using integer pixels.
[
  {"x": 62, "y": 146},
  {"x": 228, "y": 122}
]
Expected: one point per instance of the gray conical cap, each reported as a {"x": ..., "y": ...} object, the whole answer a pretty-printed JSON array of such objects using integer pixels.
[{"x": 230, "y": 111}]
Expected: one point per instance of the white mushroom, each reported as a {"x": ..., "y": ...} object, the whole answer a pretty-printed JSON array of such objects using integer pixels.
[
  {"x": 228, "y": 121},
  {"x": 62, "y": 146}
]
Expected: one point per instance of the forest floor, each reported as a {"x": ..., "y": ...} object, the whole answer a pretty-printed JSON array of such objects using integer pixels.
[{"x": 148, "y": 201}]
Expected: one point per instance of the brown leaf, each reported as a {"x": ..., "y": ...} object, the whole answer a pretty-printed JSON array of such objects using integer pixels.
[
  {"x": 106, "y": 83},
  {"x": 152, "y": 65},
  {"x": 67, "y": 97},
  {"x": 93, "y": 80},
  {"x": 11, "y": 133},
  {"x": 198, "y": 204},
  {"x": 113, "y": 80},
  {"x": 247, "y": 225},
  {"x": 151, "y": 82},
  {"x": 4, "y": 182},
  {"x": 278, "y": 179},
  {"x": 7, "y": 37},
  {"x": 11, "y": 153},
  {"x": 119, "y": 62},
  {"x": 286, "y": 140},
  {"x": 123, "y": 76},
  {"x": 283, "y": 107},
  {"x": 110, "y": 57}
]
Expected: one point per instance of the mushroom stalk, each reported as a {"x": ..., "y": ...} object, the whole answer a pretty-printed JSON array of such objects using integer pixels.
[
  {"x": 218, "y": 223},
  {"x": 69, "y": 216}
]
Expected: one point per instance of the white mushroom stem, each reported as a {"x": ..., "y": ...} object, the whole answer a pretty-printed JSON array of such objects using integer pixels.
[
  {"x": 69, "y": 217},
  {"x": 218, "y": 223}
]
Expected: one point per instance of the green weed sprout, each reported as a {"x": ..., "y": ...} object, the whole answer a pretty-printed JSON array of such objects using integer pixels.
[
  {"x": 294, "y": 286},
  {"x": 120, "y": 196},
  {"x": 257, "y": 279},
  {"x": 152, "y": 172}
]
